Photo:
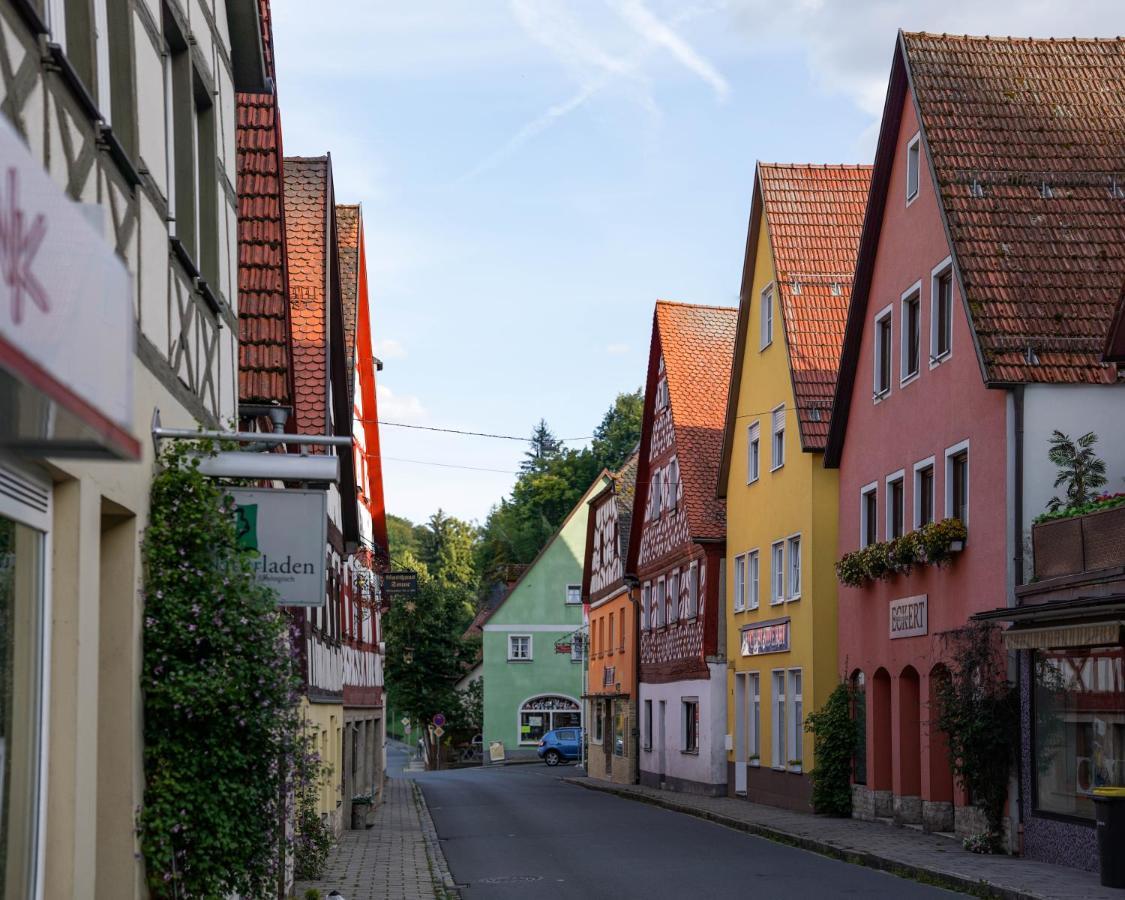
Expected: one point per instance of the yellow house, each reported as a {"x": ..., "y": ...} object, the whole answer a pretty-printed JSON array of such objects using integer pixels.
[{"x": 781, "y": 547}]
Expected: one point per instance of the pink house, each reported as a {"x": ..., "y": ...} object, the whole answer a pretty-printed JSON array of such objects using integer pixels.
[{"x": 977, "y": 324}]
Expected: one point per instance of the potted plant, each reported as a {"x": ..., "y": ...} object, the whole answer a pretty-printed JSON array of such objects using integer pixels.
[
  {"x": 755, "y": 760},
  {"x": 361, "y": 806},
  {"x": 794, "y": 765}
]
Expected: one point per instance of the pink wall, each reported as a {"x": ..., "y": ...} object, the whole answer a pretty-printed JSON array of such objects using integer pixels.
[{"x": 941, "y": 407}]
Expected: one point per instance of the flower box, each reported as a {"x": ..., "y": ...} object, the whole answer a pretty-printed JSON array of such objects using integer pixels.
[{"x": 1085, "y": 543}]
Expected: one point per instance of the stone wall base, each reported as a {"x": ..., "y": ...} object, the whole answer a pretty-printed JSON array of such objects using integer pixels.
[
  {"x": 970, "y": 820},
  {"x": 863, "y": 803},
  {"x": 937, "y": 815},
  {"x": 907, "y": 810}
]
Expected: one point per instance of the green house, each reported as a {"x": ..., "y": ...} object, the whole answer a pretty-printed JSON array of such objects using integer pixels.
[{"x": 533, "y": 665}]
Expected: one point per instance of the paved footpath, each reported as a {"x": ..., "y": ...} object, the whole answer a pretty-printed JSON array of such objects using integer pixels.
[
  {"x": 398, "y": 858},
  {"x": 927, "y": 857}
]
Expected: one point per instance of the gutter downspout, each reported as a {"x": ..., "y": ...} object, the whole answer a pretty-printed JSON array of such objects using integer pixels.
[{"x": 1017, "y": 514}]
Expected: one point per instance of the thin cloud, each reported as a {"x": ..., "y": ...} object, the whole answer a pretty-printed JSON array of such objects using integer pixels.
[
  {"x": 617, "y": 349},
  {"x": 389, "y": 348},
  {"x": 399, "y": 408},
  {"x": 659, "y": 33}
]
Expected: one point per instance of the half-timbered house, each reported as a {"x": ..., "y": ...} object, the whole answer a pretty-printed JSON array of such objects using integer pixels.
[
  {"x": 612, "y": 601},
  {"x": 676, "y": 548}
]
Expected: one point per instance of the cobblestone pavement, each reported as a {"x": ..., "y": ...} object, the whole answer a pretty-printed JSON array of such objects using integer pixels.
[
  {"x": 398, "y": 858},
  {"x": 928, "y": 857}
]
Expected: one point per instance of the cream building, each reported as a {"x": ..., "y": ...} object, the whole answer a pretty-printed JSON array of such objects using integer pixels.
[{"x": 119, "y": 299}]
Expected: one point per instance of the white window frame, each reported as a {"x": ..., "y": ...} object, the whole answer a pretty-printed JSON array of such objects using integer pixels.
[
  {"x": 914, "y": 154},
  {"x": 646, "y": 599},
  {"x": 753, "y": 573},
  {"x": 765, "y": 320},
  {"x": 578, "y": 588},
  {"x": 946, "y": 265},
  {"x": 647, "y": 736},
  {"x": 753, "y": 451},
  {"x": 530, "y": 648},
  {"x": 888, "y": 512},
  {"x": 661, "y": 593},
  {"x": 662, "y": 393},
  {"x": 793, "y": 584},
  {"x": 687, "y": 703},
  {"x": 886, "y": 314},
  {"x": 794, "y": 719},
  {"x": 778, "y": 680},
  {"x": 598, "y": 712},
  {"x": 693, "y": 590},
  {"x": 873, "y": 487},
  {"x": 777, "y": 570},
  {"x": 673, "y": 596},
  {"x": 928, "y": 462},
  {"x": 740, "y": 582},
  {"x": 754, "y": 719},
  {"x": 914, "y": 292},
  {"x": 950, "y": 452},
  {"x": 777, "y": 447},
  {"x": 672, "y": 484},
  {"x": 656, "y": 494}
]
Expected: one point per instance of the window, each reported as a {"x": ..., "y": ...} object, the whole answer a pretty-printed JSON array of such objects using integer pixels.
[
  {"x": 911, "y": 320},
  {"x": 795, "y": 719},
  {"x": 547, "y": 713},
  {"x": 599, "y": 724},
  {"x": 646, "y": 601},
  {"x": 794, "y": 551},
  {"x": 941, "y": 312},
  {"x": 754, "y": 735},
  {"x": 647, "y": 737},
  {"x": 662, "y": 393},
  {"x": 767, "y": 317},
  {"x": 601, "y": 636},
  {"x": 1078, "y": 727},
  {"x": 519, "y": 647},
  {"x": 779, "y": 758},
  {"x": 883, "y": 353},
  {"x": 957, "y": 482},
  {"x": 693, "y": 591},
  {"x": 671, "y": 599},
  {"x": 752, "y": 579},
  {"x": 777, "y": 459},
  {"x": 753, "y": 452},
  {"x": 923, "y": 492},
  {"x": 739, "y": 583},
  {"x": 778, "y": 573},
  {"x": 672, "y": 484},
  {"x": 913, "y": 160},
  {"x": 610, "y": 645},
  {"x": 869, "y": 515},
  {"x": 690, "y": 731},
  {"x": 896, "y": 498},
  {"x": 660, "y": 600},
  {"x": 573, "y": 594},
  {"x": 618, "y": 730},
  {"x": 621, "y": 630}
]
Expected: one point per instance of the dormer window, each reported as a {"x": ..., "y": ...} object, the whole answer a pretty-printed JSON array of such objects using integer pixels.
[{"x": 913, "y": 163}]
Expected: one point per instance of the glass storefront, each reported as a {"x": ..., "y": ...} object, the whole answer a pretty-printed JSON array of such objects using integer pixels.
[
  {"x": 542, "y": 714},
  {"x": 21, "y": 604},
  {"x": 1079, "y": 727}
]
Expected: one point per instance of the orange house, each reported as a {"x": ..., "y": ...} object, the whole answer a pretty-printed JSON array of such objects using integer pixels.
[{"x": 611, "y": 695}]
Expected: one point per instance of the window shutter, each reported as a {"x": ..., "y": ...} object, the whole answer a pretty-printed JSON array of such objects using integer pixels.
[{"x": 778, "y": 419}]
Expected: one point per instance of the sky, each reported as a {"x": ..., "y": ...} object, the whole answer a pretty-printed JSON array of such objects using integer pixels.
[{"x": 535, "y": 174}]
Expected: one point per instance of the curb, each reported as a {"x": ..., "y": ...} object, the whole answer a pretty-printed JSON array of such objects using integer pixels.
[
  {"x": 439, "y": 868},
  {"x": 935, "y": 877}
]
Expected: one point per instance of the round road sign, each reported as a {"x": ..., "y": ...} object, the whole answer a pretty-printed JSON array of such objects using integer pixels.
[{"x": 439, "y": 720}]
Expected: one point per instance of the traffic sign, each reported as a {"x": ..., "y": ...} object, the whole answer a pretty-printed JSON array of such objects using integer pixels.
[
  {"x": 439, "y": 731},
  {"x": 406, "y": 728},
  {"x": 439, "y": 720},
  {"x": 406, "y": 720}
]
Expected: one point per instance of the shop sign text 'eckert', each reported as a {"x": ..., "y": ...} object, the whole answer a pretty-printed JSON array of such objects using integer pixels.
[
  {"x": 909, "y": 617},
  {"x": 289, "y": 529}
]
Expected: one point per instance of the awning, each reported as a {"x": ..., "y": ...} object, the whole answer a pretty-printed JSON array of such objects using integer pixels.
[{"x": 1083, "y": 635}]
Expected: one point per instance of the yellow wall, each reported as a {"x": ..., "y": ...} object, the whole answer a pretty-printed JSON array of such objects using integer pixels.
[
  {"x": 325, "y": 721},
  {"x": 799, "y": 498}
]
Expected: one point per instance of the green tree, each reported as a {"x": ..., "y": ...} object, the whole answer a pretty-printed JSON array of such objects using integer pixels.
[
  {"x": 446, "y": 545},
  {"x": 544, "y": 447},
  {"x": 403, "y": 535},
  {"x": 619, "y": 431},
  {"x": 1079, "y": 468},
  {"x": 835, "y": 738}
]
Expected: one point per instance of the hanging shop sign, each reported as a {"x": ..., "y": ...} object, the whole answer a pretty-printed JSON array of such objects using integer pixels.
[
  {"x": 909, "y": 617},
  {"x": 66, "y": 320},
  {"x": 400, "y": 585},
  {"x": 769, "y": 637},
  {"x": 289, "y": 529}
]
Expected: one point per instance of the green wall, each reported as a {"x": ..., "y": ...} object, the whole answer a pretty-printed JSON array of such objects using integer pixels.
[{"x": 538, "y": 602}]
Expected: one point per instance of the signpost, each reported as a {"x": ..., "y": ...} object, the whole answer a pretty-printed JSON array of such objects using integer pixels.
[
  {"x": 439, "y": 720},
  {"x": 289, "y": 529}
]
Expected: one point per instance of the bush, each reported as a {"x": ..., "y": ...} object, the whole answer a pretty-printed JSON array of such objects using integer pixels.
[{"x": 835, "y": 738}]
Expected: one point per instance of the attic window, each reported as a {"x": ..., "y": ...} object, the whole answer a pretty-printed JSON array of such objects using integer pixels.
[
  {"x": 836, "y": 289},
  {"x": 814, "y": 414},
  {"x": 1115, "y": 189},
  {"x": 1031, "y": 357},
  {"x": 976, "y": 189},
  {"x": 913, "y": 159},
  {"x": 796, "y": 287},
  {"x": 1045, "y": 191}
]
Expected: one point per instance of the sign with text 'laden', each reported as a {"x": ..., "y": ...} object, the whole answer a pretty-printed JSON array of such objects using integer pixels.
[
  {"x": 769, "y": 637},
  {"x": 909, "y": 617},
  {"x": 289, "y": 529}
]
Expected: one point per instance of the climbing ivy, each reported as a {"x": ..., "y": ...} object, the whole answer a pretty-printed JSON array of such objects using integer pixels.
[
  {"x": 223, "y": 735},
  {"x": 835, "y": 738}
]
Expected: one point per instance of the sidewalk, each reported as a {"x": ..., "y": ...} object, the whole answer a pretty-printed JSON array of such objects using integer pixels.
[
  {"x": 929, "y": 858},
  {"x": 396, "y": 859}
]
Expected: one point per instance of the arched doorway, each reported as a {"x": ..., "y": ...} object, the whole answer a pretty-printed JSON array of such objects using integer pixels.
[
  {"x": 546, "y": 712},
  {"x": 937, "y": 807},
  {"x": 879, "y": 749},
  {"x": 859, "y": 716},
  {"x": 908, "y": 799}
]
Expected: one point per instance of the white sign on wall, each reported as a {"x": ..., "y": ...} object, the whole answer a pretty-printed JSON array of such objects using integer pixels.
[
  {"x": 909, "y": 617},
  {"x": 289, "y": 529},
  {"x": 66, "y": 312}
]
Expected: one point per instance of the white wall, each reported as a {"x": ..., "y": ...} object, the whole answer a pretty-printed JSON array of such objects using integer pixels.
[{"x": 709, "y": 766}]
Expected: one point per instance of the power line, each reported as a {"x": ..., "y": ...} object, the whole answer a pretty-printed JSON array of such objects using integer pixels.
[{"x": 503, "y": 437}]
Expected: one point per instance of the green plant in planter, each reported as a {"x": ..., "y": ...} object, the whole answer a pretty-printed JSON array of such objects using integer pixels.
[
  {"x": 905, "y": 552},
  {"x": 312, "y": 894},
  {"x": 936, "y": 540},
  {"x": 1080, "y": 470},
  {"x": 835, "y": 738}
]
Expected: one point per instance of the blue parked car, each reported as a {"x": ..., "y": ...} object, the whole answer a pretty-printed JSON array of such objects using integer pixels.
[{"x": 560, "y": 744}]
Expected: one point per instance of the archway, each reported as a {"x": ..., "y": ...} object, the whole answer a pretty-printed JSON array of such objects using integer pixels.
[
  {"x": 938, "y": 805},
  {"x": 879, "y": 750},
  {"x": 908, "y": 801},
  {"x": 859, "y": 716}
]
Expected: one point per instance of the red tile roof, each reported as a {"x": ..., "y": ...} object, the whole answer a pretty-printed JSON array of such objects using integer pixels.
[
  {"x": 698, "y": 345},
  {"x": 1027, "y": 141},
  {"x": 307, "y": 193},
  {"x": 347, "y": 243},
  {"x": 814, "y": 215},
  {"x": 264, "y": 374}
]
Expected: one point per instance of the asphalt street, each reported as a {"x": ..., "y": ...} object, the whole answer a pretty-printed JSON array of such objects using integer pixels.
[{"x": 521, "y": 832}]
